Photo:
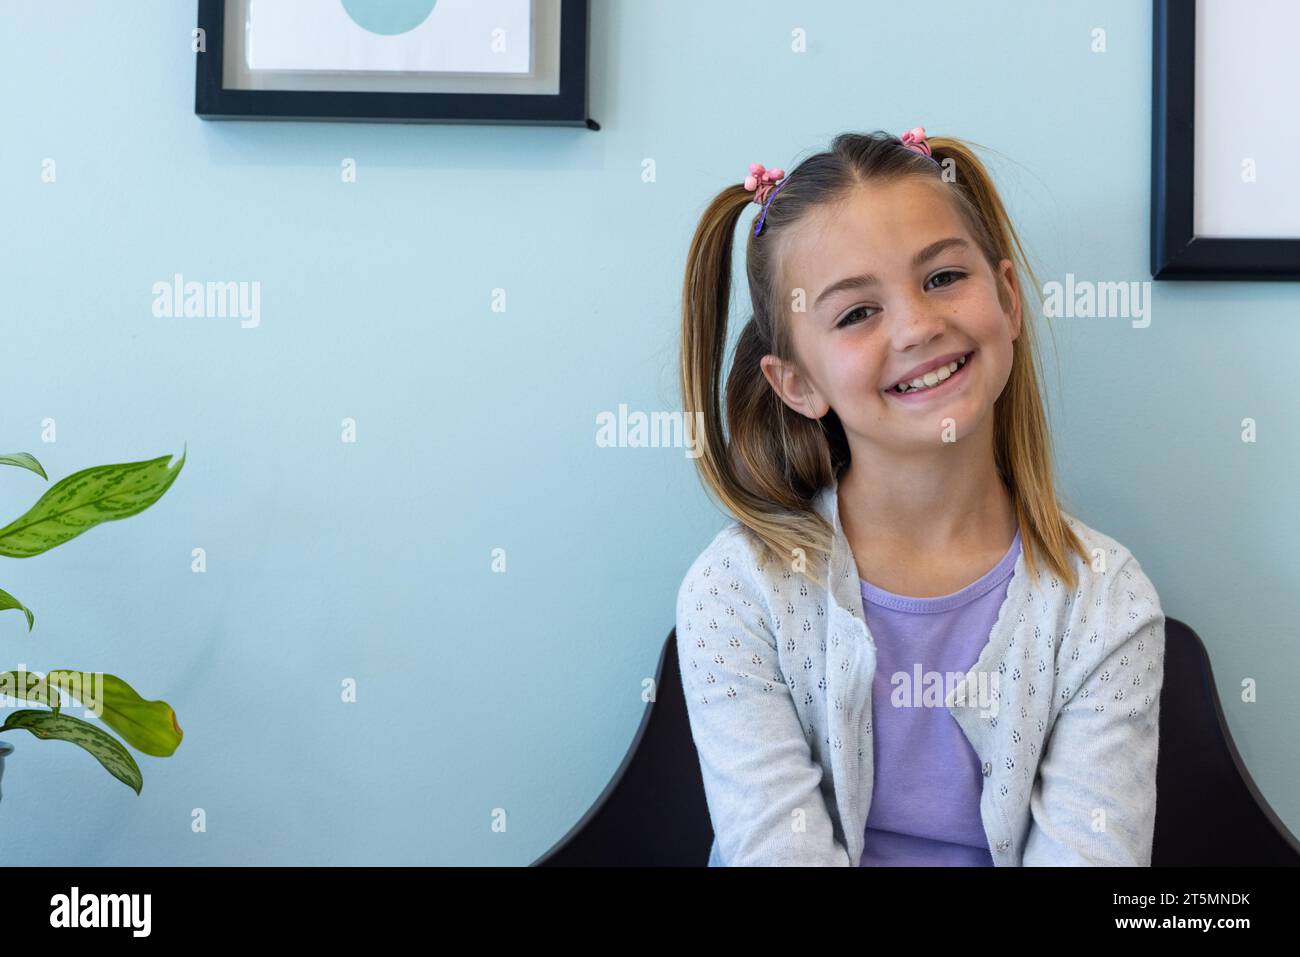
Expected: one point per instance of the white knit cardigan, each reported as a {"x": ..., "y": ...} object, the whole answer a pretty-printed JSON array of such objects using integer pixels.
[{"x": 1063, "y": 707}]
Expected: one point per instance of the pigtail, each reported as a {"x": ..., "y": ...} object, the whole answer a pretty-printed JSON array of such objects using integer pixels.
[
  {"x": 706, "y": 296},
  {"x": 765, "y": 468}
]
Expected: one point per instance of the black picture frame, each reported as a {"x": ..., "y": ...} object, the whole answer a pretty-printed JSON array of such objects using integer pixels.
[
  {"x": 568, "y": 107},
  {"x": 1176, "y": 252}
]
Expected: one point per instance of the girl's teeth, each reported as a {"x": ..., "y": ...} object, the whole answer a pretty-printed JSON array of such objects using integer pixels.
[{"x": 932, "y": 378}]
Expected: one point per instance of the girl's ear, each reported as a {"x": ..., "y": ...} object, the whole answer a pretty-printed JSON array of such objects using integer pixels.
[
  {"x": 1007, "y": 278},
  {"x": 793, "y": 387}
]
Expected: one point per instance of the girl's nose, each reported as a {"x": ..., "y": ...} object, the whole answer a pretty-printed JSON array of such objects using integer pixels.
[{"x": 916, "y": 322}]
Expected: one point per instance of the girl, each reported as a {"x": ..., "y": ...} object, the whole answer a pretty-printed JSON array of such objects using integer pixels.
[{"x": 902, "y": 651}]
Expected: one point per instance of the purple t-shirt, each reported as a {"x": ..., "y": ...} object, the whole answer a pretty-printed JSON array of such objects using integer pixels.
[{"x": 925, "y": 805}]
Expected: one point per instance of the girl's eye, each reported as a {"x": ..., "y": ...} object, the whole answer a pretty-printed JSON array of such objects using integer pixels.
[
  {"x": 957, "y": 275},
  {"x": 949, "y": 272},
  {"x": 845, "y": 321}
]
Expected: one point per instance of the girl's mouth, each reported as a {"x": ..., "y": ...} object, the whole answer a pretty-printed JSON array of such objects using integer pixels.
[{"x": 942, "y": 387}]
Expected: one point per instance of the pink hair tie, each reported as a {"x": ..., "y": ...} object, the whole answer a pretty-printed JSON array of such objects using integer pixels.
[
  {"x": 762, "y": 183},
  {"x": 914, "y": 139}
]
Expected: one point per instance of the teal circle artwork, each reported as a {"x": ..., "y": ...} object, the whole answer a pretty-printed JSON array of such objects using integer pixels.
[{"x": 388, "y": 17}]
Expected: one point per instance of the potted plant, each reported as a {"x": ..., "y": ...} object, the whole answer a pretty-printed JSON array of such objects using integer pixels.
[{"x": 104, "y": 493}]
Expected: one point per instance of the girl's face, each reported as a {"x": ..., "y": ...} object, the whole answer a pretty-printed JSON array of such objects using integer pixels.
[{"x": 892, "y": 281}]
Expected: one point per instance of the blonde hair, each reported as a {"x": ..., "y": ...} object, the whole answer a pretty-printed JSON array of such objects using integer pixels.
[{"x": 770, "y": 464}]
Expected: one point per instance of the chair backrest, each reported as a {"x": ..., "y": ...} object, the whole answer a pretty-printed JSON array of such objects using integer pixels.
[
  {"x": 1208, "y": 813},
  {"x": 653, "y": 812}
]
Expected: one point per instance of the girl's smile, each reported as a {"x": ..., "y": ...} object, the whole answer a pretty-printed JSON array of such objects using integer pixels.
[{"x": 946, "y": 383}]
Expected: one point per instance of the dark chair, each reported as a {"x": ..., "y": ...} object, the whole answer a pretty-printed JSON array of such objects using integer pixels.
[
  {"x": 1209, "y": 812},
  {"x": 653, "y": 813}
]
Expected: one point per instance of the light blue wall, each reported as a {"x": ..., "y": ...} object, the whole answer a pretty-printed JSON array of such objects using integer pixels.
[{"x": 476, "y": 429}]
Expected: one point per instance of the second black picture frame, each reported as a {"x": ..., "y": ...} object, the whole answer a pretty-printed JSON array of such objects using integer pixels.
[
  {"x": 213, "y": 99},
  {"x": 1176, "y": 251}
]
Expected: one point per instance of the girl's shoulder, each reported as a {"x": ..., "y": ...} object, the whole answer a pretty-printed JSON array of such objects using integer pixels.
[
  {"x": 1106, "y": 556},
  {"x": 720, "y": 593},
  {"x": 1112, "y": 629},
  {"x": 1113, "y": 602},
  {"x": 733, "y": 547},
  {"x": 732, "y": 564}
]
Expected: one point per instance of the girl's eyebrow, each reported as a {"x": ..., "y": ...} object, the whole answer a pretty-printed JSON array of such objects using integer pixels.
[{"x": 866, "y": 279}]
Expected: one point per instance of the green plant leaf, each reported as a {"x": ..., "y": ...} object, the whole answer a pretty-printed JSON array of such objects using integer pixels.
[
  {"x": 103, "y": 493},
  {"x": 24, "y": 460},
  {"x": 148, "y": 726},
  {"x": 38, "y": 691},
  {"x": 107, "y": 750},
  {"x": 8, "y": 601}
]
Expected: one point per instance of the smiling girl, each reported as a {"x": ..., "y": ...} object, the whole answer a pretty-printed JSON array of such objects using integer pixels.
[{"x": 902, "y": 650}]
